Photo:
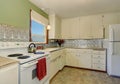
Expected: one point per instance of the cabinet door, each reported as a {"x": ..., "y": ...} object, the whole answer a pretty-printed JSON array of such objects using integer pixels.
[
  {"x": 65, "y": 33},
  {"x": 52, "y": 25},
  {"x": 52, "y": 68},
  {"x": 85, "y": 27},
  {"x": 55, "y": 23},
  {"x": 9, "y": 74},
  {"x": 85, "y": 61},
  {"x": 69, "y": 60},
  {"x": 72, "y": 58},
  {"x": 74, "y": 28},
  {"x": 109, "y": 19},
  {"x": 97, "y": 26},
  {"x": 62, "y": 59},
  {"x": 57, "y": 27}
]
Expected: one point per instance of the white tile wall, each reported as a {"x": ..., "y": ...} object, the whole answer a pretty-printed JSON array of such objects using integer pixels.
[{"x": 97, "y": 43}]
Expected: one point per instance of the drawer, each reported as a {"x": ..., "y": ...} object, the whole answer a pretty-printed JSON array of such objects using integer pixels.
[
  {"x": 99, "y": 57},
  {"x": 99, "y": 67},
  {"x": 99, "y": 61},
  {"x": 99, "y": 52},
  {"x": 54, "y": 55}
]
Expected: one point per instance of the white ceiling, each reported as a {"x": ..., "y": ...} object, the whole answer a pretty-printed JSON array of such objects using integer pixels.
[{"x": 73, "y": 8}]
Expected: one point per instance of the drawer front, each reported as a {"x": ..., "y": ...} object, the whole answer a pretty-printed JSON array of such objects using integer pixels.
[
  {"x": 99, "y": 61},
  {"x": 99, "y": 52},
  {"x": 99, "y": 67},
  {"x": 54, "y": 55},
  {"x": 99, "y": 57}
]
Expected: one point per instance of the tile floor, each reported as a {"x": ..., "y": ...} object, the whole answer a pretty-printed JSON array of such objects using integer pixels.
[{"x": 80, "y": 76}]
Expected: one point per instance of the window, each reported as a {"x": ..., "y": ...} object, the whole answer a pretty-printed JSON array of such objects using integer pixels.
[{"x": 38, "y": 31}]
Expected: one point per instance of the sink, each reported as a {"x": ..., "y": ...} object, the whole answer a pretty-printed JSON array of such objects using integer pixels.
[{"x": 39, "y": 53}]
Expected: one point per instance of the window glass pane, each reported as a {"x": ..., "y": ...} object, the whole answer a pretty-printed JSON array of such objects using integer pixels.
[{"x": 37, "y": 31}]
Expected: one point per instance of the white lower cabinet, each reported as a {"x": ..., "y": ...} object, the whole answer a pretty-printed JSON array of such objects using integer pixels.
[
  {"x": 86, "y": 58},
  {"x": 71, "y": 58},
  {"x": 99, "y": 60},
  {"x": 57, "y": 62},
  {"x": 82, "y": 58},
  {"x": 78, "y": 58},
  {"x": 9, "y": 74}
]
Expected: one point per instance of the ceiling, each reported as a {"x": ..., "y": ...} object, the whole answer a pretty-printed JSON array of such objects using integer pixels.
[{"x": 74, "y": 8}]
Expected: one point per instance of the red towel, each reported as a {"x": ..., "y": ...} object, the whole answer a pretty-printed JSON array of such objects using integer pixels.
[{"x": 41, "y": 68}]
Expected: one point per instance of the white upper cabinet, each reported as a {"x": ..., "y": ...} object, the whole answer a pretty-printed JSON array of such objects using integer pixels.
[
  {"x": 65, "y": 29},
  {"x": 55, "y": 30},
  {"x": 89, "y": 27},
  {"x": 74, "y": 28},
  {"x": 97, "y": 26},
  {"x": 85, "y": 27},
  {"x": 70, "y": 28},
  {"x": 112, "y": 18}
]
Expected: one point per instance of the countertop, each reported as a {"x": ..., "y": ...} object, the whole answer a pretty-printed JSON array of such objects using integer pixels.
[
  {"x": 6, "y": 61},
  {"x": 52, "y": 49},
  {"x": 89, "y": 48}
]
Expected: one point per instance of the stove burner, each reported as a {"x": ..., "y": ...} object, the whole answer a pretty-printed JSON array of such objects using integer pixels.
[
  {"x": 23, "y": 57},
  {"x": 15, "y": 55}
]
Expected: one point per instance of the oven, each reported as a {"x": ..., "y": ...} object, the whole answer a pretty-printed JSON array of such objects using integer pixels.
[{"x": 28, "y": 72}]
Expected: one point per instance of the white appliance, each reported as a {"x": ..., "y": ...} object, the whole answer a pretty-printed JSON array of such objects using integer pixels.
[
  {"x": 27, "y": 74},
  {"x": 113, "y": 55}
]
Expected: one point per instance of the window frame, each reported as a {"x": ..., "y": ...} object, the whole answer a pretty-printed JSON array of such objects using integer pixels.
[{"x": 30, "y": 34}]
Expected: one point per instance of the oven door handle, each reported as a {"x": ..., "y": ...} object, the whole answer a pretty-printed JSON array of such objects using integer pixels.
[{"x": 29, "y": 64}]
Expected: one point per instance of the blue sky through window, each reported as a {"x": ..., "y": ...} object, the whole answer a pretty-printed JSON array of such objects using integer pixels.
[
  {"x": 37, "y": 28},
  {"x": 37, "y": 31}
]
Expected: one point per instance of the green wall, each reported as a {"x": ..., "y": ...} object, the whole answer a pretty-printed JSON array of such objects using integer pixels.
[{"x": 17, "y": 12}]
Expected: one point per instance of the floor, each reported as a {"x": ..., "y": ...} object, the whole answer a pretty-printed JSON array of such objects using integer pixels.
[{"x": 80, "y": 76}]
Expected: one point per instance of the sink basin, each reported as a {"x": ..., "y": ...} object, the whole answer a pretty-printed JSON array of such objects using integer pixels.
[{"x": 39, "y": 53}]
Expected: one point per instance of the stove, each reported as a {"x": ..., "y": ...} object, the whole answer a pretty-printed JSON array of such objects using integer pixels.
[
  {"x": 27, "y": 64},
  {"x": 21, "y": 55}
]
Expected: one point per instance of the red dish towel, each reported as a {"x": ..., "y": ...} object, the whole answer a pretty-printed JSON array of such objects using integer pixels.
[{"x": 41, "y": 68}]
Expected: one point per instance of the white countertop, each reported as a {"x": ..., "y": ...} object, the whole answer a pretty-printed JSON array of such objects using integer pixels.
[{"x": 6, "y": 61}]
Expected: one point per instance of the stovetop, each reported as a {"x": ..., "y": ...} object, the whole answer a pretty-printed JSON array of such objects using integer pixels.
[{"x": 21, "y": 56}]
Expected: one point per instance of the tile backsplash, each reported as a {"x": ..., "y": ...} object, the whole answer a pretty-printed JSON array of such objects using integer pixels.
[
  {"x": 93, "y": 43},
  {"x": 10, "y": 33}
]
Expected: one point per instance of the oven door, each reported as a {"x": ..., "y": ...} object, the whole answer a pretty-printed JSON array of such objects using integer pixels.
[{"x": 28, "y": 73}]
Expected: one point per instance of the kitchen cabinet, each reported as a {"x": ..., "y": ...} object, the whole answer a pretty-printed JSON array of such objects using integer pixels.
[
  {"x": 85, "y": 27},
  {"x": 112, "y": 18},
  {"x": 9, "y": 74},
  {"x": 85, "y": 58},
  {"x": 71, "y": 58},
  {"x": 99, "y": 60},
  {"x": 70, "y": 28},
  {"x": 65, "y": 29},
  {"x": 91, "y": 27},
  {"x": 57, "y": 62},
  {"x": 81, "y": 58},
  {"x": 78, "y": 58},
  {"x": 55, "y": 24},
  {"x": 97, "y": 26}
]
